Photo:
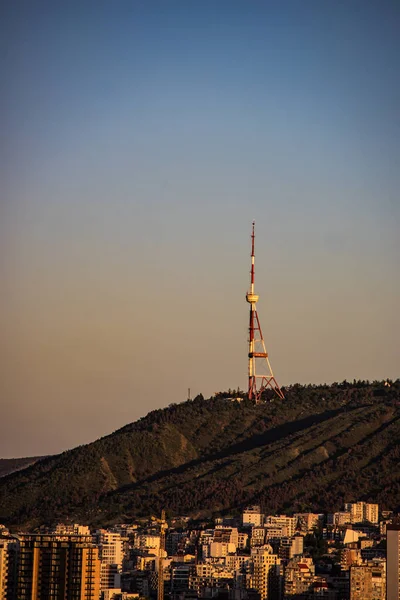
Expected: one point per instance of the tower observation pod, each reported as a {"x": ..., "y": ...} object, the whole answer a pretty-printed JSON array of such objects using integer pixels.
[{"x": 260, "y": 372}]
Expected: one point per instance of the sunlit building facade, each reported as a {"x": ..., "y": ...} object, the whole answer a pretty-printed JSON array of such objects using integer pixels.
[{"x": 52, "y": 567}]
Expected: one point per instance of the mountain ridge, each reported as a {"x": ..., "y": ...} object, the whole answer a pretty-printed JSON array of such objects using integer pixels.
[
  {"x": 11, "y": 465},
  {"x": 206, "y": 456}
]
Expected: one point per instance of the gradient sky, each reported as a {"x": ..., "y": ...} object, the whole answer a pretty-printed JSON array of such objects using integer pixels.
[{"x": 139, "y": 141}]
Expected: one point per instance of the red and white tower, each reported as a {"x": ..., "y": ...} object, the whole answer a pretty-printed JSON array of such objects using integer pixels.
[{"x": 260, "y": 373}]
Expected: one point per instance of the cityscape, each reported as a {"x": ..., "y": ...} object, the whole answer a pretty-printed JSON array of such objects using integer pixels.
[
  {"x": 200, "y": 195},
  {"x": 352, "y": 554}
]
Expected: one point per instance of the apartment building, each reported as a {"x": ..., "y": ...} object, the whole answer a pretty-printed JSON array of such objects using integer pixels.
[
  {"x": 265, "y": 573},
  {"x": 288, "y": 524},
  {"x": 362, "y": 511},
  {"x": 4, "y": 567},
  {"x": 368, "y": 581},
  {"x": 54, "y": 567},
  {"x": 111, "y": 555},
  {"x": 252, "y": 516}
]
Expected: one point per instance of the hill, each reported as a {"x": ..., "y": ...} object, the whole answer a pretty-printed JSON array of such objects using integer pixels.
[
  {"x": 10, "y": 465},
  {"x": 320, "y": 446}
]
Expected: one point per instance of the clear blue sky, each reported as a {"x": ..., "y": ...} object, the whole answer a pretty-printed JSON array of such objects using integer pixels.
[{"x": 139, "y": 141}]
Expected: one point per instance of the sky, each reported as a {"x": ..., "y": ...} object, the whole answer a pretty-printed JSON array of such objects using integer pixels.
[{"x": 140, "y": 138}]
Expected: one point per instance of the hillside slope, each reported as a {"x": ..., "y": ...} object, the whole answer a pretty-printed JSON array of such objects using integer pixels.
[
  {"x": 10, "y": 465},
  {"x": 319, "y": 446}
]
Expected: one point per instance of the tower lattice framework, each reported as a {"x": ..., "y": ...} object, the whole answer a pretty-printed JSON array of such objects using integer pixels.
[
  {"x": 161, "y": 555},
  {"x": 260, "y": 372}
]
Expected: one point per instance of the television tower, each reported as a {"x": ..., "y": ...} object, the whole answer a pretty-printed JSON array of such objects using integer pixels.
[
  {"x": 260, "y": 373},
  {"x": 161, "y": 556}
]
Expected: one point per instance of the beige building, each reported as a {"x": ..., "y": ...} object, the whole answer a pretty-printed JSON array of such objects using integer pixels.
[
  {"x": 322, "y": 589},
  {"x": 368, "y": 581},
  {"x": 243, "y": 540},
  {"x": 356, "y": 510},
  {"x": 219, "y": 549},
  {"x": 146, "y": 541},
  {"x": 257, "y": 536},
  {"x": 350, "y": 557},
  {"x": 238, "y": 562},
  {"x": 264, "y": 573},
  {"x": 393, "y": 562},
  {"x": 383, "y": 525},
  {"x": 362, "y": 511},
  {"x": 351, "y": 536},
  {"x": 340, "y": 518},
  {"x": 208, "y": 575},
  {"x": 299, "y": 577},
  {"x": 275, "y": 533},
  {"x": 288, "y": 524},
  {"x": 372, "y": 513},
  {"x": 307, "y": 521},
  {"x": 54, "y": 567},
  {"x": 252, "y": 515},
  {"x": 290, "y": 547},
  {"x": 230, "y": 535},
  {"x": 117, "y": 594},
  {"x": 75, "y": 529}
]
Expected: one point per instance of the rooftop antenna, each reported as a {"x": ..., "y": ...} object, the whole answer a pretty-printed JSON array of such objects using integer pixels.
[{"x": 259, "y": 368}]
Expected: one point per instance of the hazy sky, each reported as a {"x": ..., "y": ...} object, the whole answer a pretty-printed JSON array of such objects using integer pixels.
[{"x": 139, "y": 141}]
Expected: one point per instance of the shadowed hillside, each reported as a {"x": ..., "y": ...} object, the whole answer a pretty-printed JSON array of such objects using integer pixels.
[
  {"x": 10, "y": 465},
  {"x": 320, "y": 446}
]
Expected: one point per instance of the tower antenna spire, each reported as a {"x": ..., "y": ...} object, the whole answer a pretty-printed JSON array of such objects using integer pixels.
[{"x": 260, "y": 373}]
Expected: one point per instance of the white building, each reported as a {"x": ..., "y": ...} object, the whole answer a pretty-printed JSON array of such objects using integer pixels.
[{"x": 111, "y": 554}]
